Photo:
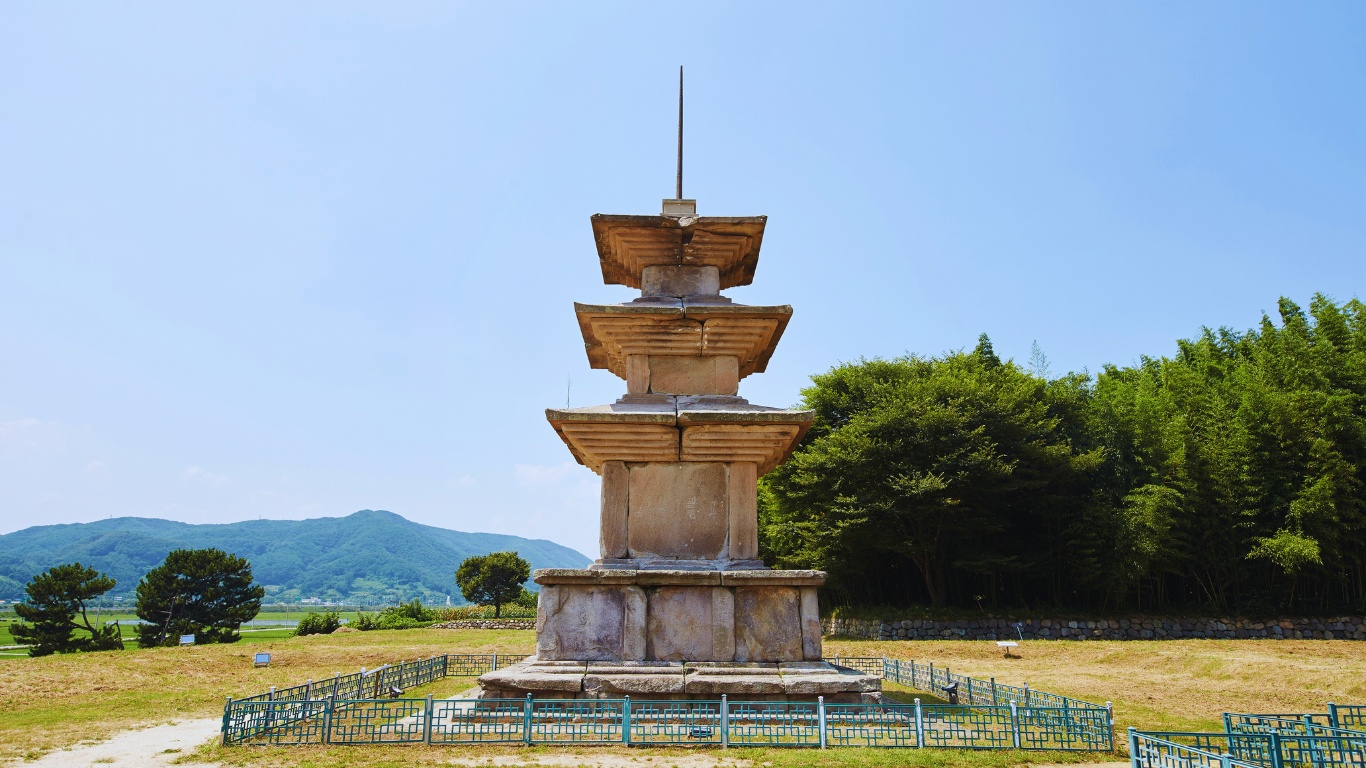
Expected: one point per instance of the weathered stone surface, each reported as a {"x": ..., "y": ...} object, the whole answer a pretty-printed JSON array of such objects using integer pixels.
[
  {"x": 633, "y": 626},
  {"x": 722, "y": 624},
  {"x": 811, "y": 624},
  {"x": 637, "y": 374},
  {"x": 767, "y": 624},
  {"x": 694, "y": 375},
  {"x": 590, "y": 623},
  {"x": 652, "y": 678},
  {"x": 772, "y": 578},
  {"x": 680, "y": 281},
  {"x": 743, "y": 511},
  {"x": 615, "y": 484},
  {"x": 735, "y": 679},
  {"x": 535, "y": 677},
  {"x": 821, "y": 678},
  {"x": 677, "y": 510},
  {"x": 679, "y": 623},
  {"x": 592, "y": 577},
  {"x": 627, "y": 245}
]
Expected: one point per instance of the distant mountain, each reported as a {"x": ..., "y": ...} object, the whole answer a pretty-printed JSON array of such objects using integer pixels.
[{"x": 371, "y": 556}]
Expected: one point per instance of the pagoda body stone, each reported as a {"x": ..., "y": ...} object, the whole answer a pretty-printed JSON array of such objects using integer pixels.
[{"x": 678, "y": 605}]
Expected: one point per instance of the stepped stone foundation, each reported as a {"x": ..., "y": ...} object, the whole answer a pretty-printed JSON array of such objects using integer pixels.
[{"x": 679, "y": 605}]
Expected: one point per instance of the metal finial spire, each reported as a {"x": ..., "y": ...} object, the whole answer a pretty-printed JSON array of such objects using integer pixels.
[{"x": 679, "y": 189}]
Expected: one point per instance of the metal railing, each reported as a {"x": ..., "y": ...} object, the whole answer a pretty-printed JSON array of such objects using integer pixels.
[
  {"x": 722, "y": 723},
  {"x": 1348, "y": 717},
  {"x": 351, "y": 709},
  {"x": 1313, "y": 746}
]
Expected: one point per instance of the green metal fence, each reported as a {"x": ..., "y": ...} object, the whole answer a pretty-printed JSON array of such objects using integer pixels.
[
  {"x": 1348, "y": 717},
  {"x": 1313, "y": 746},
  {"x": 623, "y": 721},
  {"x": 352, "y": 709}
]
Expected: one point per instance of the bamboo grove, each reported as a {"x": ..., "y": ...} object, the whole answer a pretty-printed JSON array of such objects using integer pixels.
[{"x": 1227, "y": 477}]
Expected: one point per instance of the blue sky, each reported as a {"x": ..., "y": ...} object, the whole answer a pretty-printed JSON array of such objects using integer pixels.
[{"x": 283, "y": 262}]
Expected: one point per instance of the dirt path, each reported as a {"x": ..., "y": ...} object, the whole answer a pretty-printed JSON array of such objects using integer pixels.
[{"x": 156, "y": 746}]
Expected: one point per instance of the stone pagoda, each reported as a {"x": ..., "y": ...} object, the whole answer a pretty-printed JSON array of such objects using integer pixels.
[{"x": 679, "y": 605}]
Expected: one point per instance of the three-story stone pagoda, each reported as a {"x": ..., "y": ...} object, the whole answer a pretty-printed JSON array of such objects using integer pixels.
[{"x": 678, "y": 605}]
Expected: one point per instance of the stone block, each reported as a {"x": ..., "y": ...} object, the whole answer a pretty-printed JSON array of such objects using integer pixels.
[
  {"x": 563, "y": 678},
  {"x": 677, "y": 510},
  {"x": 722, "y": 624},
  {"x": 637, "y": 374},
  {"x": 592, "y": 623},
  {"x": 815, "y": 678},
  {"x": 680, "y": 281},
  {"x": 719, "y": 375},
  {"x": 615, "y": 484},
  {"x": 733, "y": 679},
  {"x": 679, "y": 624},
  {"x": 743, "y": 511},
  {"x": 810, "y": 610},
  {"x": 768, "y": 624},
  {"x": 612, "y": 680}
]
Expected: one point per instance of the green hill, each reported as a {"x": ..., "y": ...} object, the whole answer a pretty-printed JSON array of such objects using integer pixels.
[{"x": 369, "y": 557}]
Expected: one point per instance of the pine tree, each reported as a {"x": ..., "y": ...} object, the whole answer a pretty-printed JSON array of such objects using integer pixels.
[
  {"x": 207, "y": 593},
  {"x": 55, "y": 597}
]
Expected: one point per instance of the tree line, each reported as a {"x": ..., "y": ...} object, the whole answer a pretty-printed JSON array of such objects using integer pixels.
[
  {"x": 206, "y": 593},
  {"x": 1226, "y": 477}
]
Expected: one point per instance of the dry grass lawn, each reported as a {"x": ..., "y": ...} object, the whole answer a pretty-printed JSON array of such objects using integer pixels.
[
  {"x": 1182, "y": 684},
  {"x": 56, "y": 701},
  {"x": 1159, "y": 685}
]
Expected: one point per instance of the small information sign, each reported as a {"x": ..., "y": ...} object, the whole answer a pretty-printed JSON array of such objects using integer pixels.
[
  {"x": 262, "y": 660},
  {"x": 187, "y": 639}
]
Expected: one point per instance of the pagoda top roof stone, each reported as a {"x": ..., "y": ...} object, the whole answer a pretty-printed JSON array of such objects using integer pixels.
[{"x": 628, "y": 244}]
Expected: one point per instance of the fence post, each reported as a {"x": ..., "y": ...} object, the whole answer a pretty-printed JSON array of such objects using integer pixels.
[
  {"x": 427, "y": 724},
  {"x": 526, "y": 720},
  {"x": 327, "y": 722},
  {"x": 820, "y": 718},
  {"x": 626, "y": 720},
  {"x": 725, "y": 722},
  {"x": 1225, "y": 761},
  {"x": 1026, "y": 695},
  {"x": 272, "y": 694},
  {"x": 227, "y": 707},
  {"x": 1014, "y": 725},
  {"x": 1133, "y": 748},
  {"x": 495, "y": 663},
  {"x": 1275, "y": 750},
  {"x": 919, "y": 726},
  {"x": 1333, "y": 715},
  {"x": 1110, "y": 721},
  {"x": 336, "y": 682},
  {"x": 970, "y": 699},
  {"x": 308, "y": 690},
  {"x": 994, "y": 701}
]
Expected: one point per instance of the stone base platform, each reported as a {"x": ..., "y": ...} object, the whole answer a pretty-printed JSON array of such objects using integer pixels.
[
  {"x": 678, "y": 681},
  {"x": 655, "y": 615}
]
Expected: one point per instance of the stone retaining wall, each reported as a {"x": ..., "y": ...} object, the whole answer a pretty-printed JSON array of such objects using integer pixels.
[
  {"x": 1137, "y": 628},
  {"x": 487, "y": 624}
]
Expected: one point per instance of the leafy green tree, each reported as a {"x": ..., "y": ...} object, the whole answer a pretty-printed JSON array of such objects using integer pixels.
[
  {"x": 204, "y": 592},
  {"x": 55, "y": 598},
  {"x": 1229, "y": 476},
  {"x": 493, "y": 579},
  {"x": 943, "y": 464}
]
